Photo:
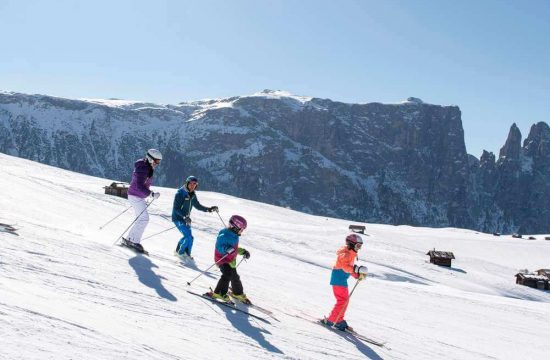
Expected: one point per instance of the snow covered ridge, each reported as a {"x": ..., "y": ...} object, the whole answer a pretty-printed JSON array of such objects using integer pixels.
[{"x": 67, "y": 293}]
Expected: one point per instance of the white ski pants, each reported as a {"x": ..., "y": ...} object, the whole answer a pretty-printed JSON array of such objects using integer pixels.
[{"x": 140, "y": 207}]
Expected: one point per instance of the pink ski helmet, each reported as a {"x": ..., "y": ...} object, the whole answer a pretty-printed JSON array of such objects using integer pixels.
[
  {"x": 238, "y": 222},
  {"x": 354, "y": 241}
]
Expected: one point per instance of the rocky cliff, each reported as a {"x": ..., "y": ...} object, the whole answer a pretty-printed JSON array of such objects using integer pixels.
[{"x": 388, "y": 163}]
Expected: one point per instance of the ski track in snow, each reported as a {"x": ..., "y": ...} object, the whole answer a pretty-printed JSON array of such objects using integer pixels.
[{"x": 66, "y": 292}]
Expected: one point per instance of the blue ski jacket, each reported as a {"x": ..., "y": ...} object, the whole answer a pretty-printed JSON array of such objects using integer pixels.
[
  {"x": 226, "y": 240},
  {"x": 183, "y": 202}
]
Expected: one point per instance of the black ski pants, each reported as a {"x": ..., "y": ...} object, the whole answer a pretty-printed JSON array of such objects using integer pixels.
[{"x": 229, "y": 275}]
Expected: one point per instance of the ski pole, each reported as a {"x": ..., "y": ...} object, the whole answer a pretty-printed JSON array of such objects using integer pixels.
[
  {"x": 239, "y": 263},
  {"x": 205, "y": 271},
  {"x": 218, "y": 212},
  {"x": 150, "y": 236},
  {"x": 347, "y": 302},
  {"x": 108, "y": 222},
  {"x": 133, "y": 221}
]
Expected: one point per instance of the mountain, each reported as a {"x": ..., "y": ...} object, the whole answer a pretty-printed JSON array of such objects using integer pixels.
[
  {"x": 66, "y": 292},
  {"x": 386, "y": 163}
]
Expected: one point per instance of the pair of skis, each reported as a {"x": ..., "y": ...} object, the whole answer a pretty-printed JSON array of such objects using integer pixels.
[
  {"x": 347, "y": 331},
  {"x": 234, "y": 306},
  {"x": 353, "y": 333}
]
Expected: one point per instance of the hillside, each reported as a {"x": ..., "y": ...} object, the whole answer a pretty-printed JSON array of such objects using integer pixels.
[{"x": 67, "y": 293}]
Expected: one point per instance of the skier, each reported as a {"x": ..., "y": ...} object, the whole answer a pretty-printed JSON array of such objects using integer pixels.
[
  {"x": 142, "y": 178},
  {"x": 341, "y": 271},
  {"x": 225, "y": 254},
  {"x": 185, "y": 199}
]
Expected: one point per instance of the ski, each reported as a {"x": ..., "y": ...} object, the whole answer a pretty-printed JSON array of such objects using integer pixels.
[
  {"x": 9, "y": 231},
  {"x": 8, "y": 228},
  {"x": 255, "y": 307},
  {"x": 230, "y": 305},
  {"x": 352, "y": 333},
  {"x": 366, "y": 339},
  {"x": 145, "y": 252}
]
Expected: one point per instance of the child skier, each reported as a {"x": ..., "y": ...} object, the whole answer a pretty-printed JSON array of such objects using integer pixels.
[
  {"x": 225, "y": 254},
  {"x": 184, "y": 201},
  {"x": 341, "y": 271},
  {"x": 142, "y": 178}
]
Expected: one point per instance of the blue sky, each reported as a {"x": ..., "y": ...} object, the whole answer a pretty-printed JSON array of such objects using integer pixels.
[{"x": 491, "y": 58}]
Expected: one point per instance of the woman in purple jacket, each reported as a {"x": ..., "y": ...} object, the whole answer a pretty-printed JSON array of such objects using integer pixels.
[{"x": 142, "y": 178}]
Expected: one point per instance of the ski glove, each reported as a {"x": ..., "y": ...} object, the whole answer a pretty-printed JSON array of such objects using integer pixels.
[
  {"x": 360, "y": 270},
  {"x": 246, "y": 254},
  {"x": 361, "y": 277},
  {"x": 187, "y": 220},
  {"x": 155, "y": 195},
  {"x": 212, "y": 209}
]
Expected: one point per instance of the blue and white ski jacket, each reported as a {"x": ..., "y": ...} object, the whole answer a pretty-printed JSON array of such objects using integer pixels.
[{"x": 183, "y": 202}]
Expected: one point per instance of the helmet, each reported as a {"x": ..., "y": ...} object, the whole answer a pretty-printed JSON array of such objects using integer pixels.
[
  {"x": 354, "y": 241},
  {"x": 191, "y": 179},
  {"x": 152, "y": 155},
  {"x": 238, "y": 222}
]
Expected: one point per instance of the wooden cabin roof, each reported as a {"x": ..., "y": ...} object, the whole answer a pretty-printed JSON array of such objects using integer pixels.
[{"x": 441, "y": 254}]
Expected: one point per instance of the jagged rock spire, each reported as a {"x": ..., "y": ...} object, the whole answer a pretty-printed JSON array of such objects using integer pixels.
[{"x": 512, "y": 147}]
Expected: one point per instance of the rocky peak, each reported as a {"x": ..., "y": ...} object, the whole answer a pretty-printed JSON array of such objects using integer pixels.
[
  {"x": 512, "y": 147},
  {"x": 538, "y": 142},
  {"x": 487, "y": 160}
]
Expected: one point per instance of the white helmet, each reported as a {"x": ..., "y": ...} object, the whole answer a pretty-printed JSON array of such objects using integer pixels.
[{"x": 152, "y": 155}]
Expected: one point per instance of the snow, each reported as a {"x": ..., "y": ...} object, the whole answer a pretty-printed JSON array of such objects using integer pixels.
[
  {"x": 281, "y": 94},
  {"x": 412, "y": 101},
  {"x": 67, "y": 293},
  {"x": 118, "y": 103}
]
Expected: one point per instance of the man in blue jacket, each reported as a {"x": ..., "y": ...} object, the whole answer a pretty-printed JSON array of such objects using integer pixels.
[{"x": 184, "y": 201}]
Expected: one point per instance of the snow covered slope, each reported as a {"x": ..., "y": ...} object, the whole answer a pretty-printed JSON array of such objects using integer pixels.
[{"x": 67, "y": 293}]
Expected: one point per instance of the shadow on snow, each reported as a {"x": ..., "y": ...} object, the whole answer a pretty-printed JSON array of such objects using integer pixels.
[
  {"x": 144, "y": 270},
  {"x": 360, "y": 345},
  {"x": 242, "y": 323}
]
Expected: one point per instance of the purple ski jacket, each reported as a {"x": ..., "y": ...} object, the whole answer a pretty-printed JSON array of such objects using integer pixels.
[{"x": 142, "y": 178}]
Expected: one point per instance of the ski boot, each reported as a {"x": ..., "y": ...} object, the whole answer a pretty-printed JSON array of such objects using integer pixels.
[
  {"x": 136, "y": 246},
  {"x": 343, "y": 326},
  {"x": 242, "y": 298},
  {"x": 222, "y": 298},
  {"x": 184, "y": 257},
  {"x": 326, "y": 322}
]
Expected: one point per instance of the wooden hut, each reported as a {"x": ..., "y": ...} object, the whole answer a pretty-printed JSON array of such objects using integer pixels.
[
  {"x": 442, "y": 258},
  {"x": 117, "y": 189},
  {"x": 543, "y": 272},
  {"x": 532, "y": 280},
  {"x": 357, "y": 229}
]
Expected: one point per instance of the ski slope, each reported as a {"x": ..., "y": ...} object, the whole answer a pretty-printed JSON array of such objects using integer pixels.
[{"x": 67, "y": 293}]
